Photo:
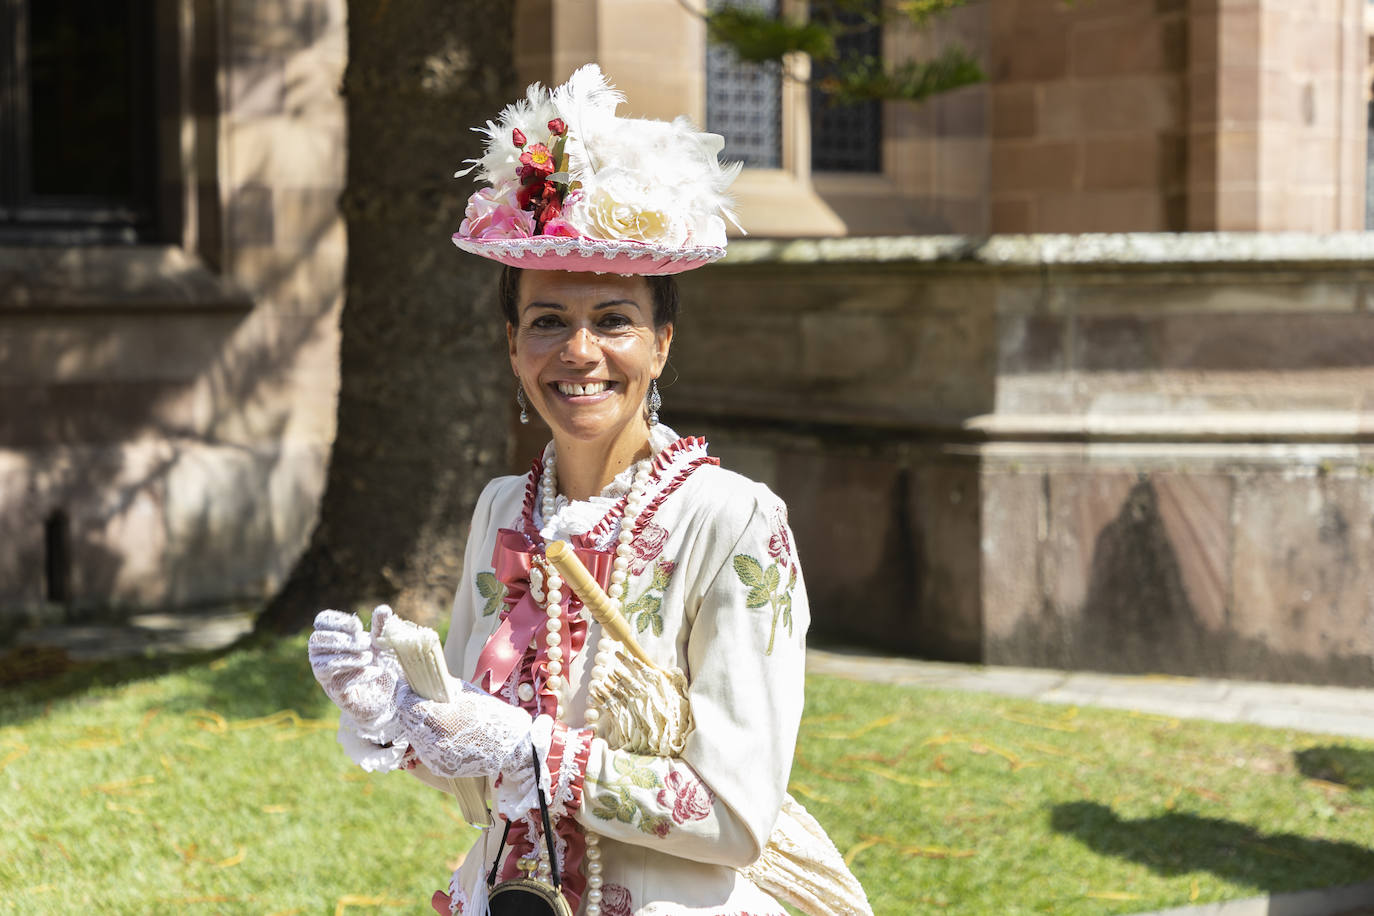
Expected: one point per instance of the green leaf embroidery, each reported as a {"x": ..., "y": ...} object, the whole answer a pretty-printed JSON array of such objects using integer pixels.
[
  {"x": 492, "y": 589},
  {"x": 646, "y": 611},
  {"x": 749, "y": 570},
  {"x": 624, "y": 807},
  {"x": 658, "y": 825},
  {"x": 764, "y": 585}
]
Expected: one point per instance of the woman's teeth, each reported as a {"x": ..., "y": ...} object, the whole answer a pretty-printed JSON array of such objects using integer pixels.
[{"x": 572, "y": 388}]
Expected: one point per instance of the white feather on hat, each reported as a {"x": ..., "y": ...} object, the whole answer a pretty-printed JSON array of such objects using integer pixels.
[{"x": 641, "y": 180}]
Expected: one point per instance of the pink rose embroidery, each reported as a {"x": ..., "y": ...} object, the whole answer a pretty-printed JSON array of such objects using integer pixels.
[
  {"x": 492, "y": 214},
  {"x": 615, "y": 901},
  {"x": 780, "y": 545},
  {"x": 689, "y": 799},
  {"x": 647, "y": 546}
]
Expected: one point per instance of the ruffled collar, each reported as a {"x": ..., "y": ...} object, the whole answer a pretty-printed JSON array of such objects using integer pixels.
[{"x": 577, "y": 517}]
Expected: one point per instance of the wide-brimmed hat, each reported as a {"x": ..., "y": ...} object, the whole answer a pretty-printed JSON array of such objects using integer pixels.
[{"x": 574, "y": 187}]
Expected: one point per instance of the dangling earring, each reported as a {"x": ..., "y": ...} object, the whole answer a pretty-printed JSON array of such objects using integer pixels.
[
  {"x": 655, "y": 402},
  {"x": 520, "y": 399}
]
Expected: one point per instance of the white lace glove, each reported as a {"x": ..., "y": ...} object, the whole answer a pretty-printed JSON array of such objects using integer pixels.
[
  {"x": 475, "y": 734},
  {"x": 361, "y": 679}
]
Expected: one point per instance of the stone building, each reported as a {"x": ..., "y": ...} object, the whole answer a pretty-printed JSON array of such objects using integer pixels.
[{"x": 1131, "y": 451}]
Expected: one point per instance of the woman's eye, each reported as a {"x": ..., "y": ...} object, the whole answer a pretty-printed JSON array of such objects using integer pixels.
[
  {"x": 614, "y": 321},
  {"x": 546, "y": 322}
]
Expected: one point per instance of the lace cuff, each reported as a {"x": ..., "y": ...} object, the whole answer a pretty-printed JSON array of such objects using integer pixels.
[
  {"x": 515, "y": 790},
  {"x": 375, "y": 752}
]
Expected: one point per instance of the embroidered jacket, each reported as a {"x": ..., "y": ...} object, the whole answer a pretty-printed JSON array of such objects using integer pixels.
[{"x": 714, "y": 589}]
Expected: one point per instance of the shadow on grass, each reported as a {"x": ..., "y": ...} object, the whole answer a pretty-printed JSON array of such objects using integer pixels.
[
  {"x": 1346, "y": 766},
  {"x": 1178, "y": 843},
  {"x": 255, "y": 676}
]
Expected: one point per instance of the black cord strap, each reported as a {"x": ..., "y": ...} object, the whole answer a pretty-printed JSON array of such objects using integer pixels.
[{"x": 548, "y": 834}]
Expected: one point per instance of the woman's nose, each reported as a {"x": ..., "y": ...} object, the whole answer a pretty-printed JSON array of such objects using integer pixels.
[{"x": 581, "y": 347}]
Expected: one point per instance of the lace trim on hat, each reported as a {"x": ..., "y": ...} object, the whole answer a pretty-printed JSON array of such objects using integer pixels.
[{"x": 541, "y": 245}]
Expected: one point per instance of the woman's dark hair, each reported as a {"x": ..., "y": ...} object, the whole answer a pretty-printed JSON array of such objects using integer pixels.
[{"x": 663, "y": 290}]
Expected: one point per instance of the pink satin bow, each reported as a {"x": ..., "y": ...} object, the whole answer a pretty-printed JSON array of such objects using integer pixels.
[{"x": 511, "y": 560}]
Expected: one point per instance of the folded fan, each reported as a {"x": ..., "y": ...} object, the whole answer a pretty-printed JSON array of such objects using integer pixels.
[{"x": 418, "y": 650}]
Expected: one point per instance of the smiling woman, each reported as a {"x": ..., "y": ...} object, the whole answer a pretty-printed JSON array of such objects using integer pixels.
[{"x": 666, "y": 737}]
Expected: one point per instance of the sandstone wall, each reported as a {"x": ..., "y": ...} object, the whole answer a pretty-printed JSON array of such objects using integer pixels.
[
  {"x": 168, "y": 407},
  {"x": 1125, "y": 453}
]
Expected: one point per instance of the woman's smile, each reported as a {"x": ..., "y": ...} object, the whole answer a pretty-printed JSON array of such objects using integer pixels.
[{"x": 587, "y": 391}]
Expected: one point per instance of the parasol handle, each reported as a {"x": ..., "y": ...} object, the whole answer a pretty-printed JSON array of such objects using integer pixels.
[{"x": 594, "y": 598}]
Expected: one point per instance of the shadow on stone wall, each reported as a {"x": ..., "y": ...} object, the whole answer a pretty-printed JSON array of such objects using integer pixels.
[
  {"x": 1178, "y": 843},
  {"x": 1136, "y": 618},
  {"x": 193, "y": 487}
]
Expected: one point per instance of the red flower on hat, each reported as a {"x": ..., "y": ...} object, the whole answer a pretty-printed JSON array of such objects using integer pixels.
[
  {"x": 518, "y": 137},
  {"x": 558, "y": 127},
  {"x": 530, "y": 194},
  {"x": 538, "y": 157}
]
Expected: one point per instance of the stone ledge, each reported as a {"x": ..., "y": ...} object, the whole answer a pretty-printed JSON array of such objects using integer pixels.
[
  {"x": 112, "y": 278},
  {"x": 1141, "y": 249}
]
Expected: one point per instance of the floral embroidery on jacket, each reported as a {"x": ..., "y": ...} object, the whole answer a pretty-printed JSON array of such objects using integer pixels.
[
  {"x": 615, "y": 900},
  {"x": 765, "y": 588},
  {"x": 492, "y": 589},
  {"x": 647, "y": 545},
  {"x": 689, "y": 798},
  {"x": 624, "y": 807},
  {"x": 780, "y": 545},
  {"x": 646, "y": 611}
]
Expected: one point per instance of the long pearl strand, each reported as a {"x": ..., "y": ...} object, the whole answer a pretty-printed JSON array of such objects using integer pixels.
[{"x": 606, "y": 647}]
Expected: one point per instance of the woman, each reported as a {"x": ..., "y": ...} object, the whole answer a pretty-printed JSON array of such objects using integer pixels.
[{"x": 699, "y": 559}]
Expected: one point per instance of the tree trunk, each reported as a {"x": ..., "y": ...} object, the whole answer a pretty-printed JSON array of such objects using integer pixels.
[{"x": 425, "y": 389}]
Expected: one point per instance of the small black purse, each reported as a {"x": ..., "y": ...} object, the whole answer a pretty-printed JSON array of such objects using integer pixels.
[{"x": 529, "y": 896}]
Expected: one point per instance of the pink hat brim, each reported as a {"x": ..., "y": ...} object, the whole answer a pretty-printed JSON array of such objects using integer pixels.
[{"x": 590, "y": 255}]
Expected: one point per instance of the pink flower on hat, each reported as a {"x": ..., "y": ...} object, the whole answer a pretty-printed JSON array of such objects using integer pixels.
[
  {"x": 561, "y": 228},
  {"x": 493, "y": 214},
  {"x": 538, "y": 157}
]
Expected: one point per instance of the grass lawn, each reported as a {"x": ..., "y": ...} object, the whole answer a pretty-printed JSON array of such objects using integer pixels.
[{"x": 217, "y": 787}]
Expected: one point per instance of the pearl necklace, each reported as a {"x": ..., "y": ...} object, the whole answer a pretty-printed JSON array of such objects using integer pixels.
[{"x": 606, "y": 648}]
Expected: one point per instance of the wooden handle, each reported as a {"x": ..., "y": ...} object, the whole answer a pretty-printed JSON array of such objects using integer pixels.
[{"x": 594, "y": 598}]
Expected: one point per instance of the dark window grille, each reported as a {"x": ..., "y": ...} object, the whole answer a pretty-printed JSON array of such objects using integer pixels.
[
  {"x": 847, "y": 138},
  {"x": 744, "y": 101},
  {"x": 77, "y": 129}
]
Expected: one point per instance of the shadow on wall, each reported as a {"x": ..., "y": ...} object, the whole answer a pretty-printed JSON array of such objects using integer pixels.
[
  {"x": 120, "y": 490},
  {"x": 1137, "y": 616},
  {"x": 1179, "y": 843}
]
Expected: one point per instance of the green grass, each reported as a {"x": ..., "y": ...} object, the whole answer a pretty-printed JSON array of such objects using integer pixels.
[{"x": 215, "y": 785}]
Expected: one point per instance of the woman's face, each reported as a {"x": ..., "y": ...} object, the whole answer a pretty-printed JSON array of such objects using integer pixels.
[{"x": 585, "y": 349}]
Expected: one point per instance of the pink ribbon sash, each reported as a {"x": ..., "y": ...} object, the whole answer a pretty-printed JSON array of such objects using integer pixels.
[{"x": 523, "y": 616}]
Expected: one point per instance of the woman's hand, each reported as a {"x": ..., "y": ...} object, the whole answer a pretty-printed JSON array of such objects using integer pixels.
[
  {"x": 361, "y": 679},
  {"x": 474, "y": 734}
]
